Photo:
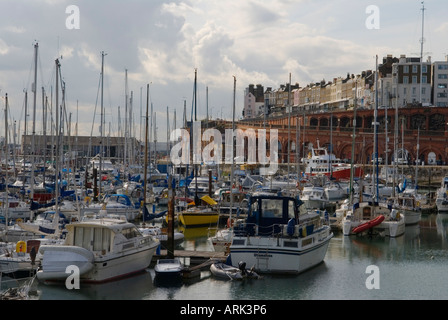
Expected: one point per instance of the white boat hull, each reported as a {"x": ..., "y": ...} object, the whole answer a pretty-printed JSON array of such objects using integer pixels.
[
  {"x": 92, "y": 268},
  {"x": 386, "y": 228},
  {"x": 281, "y": 255},
  {"x": 412, "y": 217}
]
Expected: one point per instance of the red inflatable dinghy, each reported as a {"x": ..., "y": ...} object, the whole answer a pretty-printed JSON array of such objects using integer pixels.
[{"x": 368, "y": 224}]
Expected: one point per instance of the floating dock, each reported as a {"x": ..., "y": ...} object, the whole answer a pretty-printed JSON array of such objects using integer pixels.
[{"x": 192, "y": 256}]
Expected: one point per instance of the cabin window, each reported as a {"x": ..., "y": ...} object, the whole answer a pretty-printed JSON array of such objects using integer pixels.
[
  {"x": 291, "y": 208},
  {"x": 96, "y": 239},
  {"x": 101, "y": 240},
  {"x": 272, "y": 208},
  {"x": 130, "y": 233}
]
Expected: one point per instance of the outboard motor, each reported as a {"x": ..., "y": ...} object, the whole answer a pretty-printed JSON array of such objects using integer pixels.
[{"x": 242, "y": 267}]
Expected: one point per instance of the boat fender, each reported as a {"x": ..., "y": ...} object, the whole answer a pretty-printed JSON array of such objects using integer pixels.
[
  {"x": 393, "y": 214},
  {"x": 291, "y": 227},
  {"x": 230, "y": 222},
  {"x": 21, "y": 247},
  {"x": 229, "y": 260}
]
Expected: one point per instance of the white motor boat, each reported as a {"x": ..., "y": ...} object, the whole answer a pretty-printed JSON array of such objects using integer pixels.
[
  {"x": 169, "y": 269},
  {"x": 334, "y": 191},
  {"x": 119, "y": 204},
  {"x": 314, "y": 197},
  {"x": 102, "y": 248},
  {"x": 409, "y": 207},
  {"x": 162, "y": 235},
  {"x": 276, "y": 238}
]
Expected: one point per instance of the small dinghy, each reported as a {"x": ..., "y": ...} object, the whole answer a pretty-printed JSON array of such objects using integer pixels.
[
  {"x": 225, "y": 271},
  {"x": 169, "y": 268}
]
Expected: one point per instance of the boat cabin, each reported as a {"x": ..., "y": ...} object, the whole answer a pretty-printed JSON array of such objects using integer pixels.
[
  {"x": 270, "y": 212},
  {"x": 102, "y": 236}
]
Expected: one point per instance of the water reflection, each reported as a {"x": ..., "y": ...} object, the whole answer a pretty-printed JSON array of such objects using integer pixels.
[
  {"x": 411, "y": 268},
  {"x": 130, "y": 288}
]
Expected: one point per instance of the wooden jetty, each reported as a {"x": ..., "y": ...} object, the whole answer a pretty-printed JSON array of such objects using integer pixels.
[
  {"x": 194, "y": 257},
  {"x": 195, "y": 261}
]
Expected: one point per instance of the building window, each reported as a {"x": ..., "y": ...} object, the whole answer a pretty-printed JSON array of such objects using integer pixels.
[
  {"x": 443, "y": 66},
  {"x": 424, "y": 79},
  {"x": 441, "y": 95},
  {"x": 443, "y": 76},
  {"x": 424, "y": 69},
  {"x": 413, "y": 90},
  {"x": 414, "y": 79},
  {"x": 414, "y": 69},
  {"x": 405, "y": 69},
  {"x": 442, "y": 86},
  {"x": 405, "y": 80},
  {"x": 423, "y": 91}
]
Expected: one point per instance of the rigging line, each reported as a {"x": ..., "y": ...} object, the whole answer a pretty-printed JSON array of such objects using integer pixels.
[
  {"x": 89, "y": 151},
  {"x": 96, "y": 104}
]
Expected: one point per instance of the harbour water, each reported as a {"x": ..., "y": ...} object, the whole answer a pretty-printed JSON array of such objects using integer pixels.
[{"x": 410, "y": 267}]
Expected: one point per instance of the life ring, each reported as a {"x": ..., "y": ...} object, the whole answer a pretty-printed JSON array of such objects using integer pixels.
[
  {"x": 418, "y": 203},
  {"x": 19, "y": 220},
  {"x": 230, "y": 222},
  {"x": 21, "y": 247}
]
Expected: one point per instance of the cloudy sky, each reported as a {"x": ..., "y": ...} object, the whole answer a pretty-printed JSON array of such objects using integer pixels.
[{"x": 161, "y": 43}]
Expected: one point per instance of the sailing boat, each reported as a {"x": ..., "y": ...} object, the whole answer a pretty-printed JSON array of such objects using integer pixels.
[
  {"x": 370, "y": 217},
  {"x": 223, "y": 238},
  {"x": 204, "y": 212}
]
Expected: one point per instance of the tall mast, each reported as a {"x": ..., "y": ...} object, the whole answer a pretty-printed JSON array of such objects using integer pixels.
[
  {"x": 125, "y": 120},
  {"x": 422, "y": 40},
  {"x": 56, "y": 196},
  {"x": 102, "y": 119},
  {"x": 6, "y": 206},
  {"x": 375, "y": 144},
  {"x": 233, "y": 157},
  {"x": 33, "y": 141},
  {"x": 289, "y": 124},
  {"x": 351, "y": 190},
  {"x": 146, "y": 152}
]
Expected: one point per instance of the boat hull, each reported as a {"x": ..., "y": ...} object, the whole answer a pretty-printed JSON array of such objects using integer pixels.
[
  {"x": 198, "y": 219},
  {"x": 281, "y": 255},
  {"x": 387, "y": 228},
  {"x": 93, "y": 268},
  {"x": 412, "y": 217}
]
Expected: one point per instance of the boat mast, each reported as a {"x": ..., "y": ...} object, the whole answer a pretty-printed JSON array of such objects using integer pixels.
[
  {"x": 233, "y": 158},
  {"x": 375, "y": 143},
  {"x": 289, "y": 124},
  {"x": 57, "y": 146},
  {"x": 102, "y": 120},
  {"x": 351, "y": 190},
  {"x": 33, "y": 136},
  {"x": 6, "y": 205},
  {"x": 145, "y": 188},
  {"x": 417, "y": 159},
  {"x": 422, "y": 40}
]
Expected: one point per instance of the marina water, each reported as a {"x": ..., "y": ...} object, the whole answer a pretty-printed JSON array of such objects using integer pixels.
[{"x": 410, "y": 267}]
